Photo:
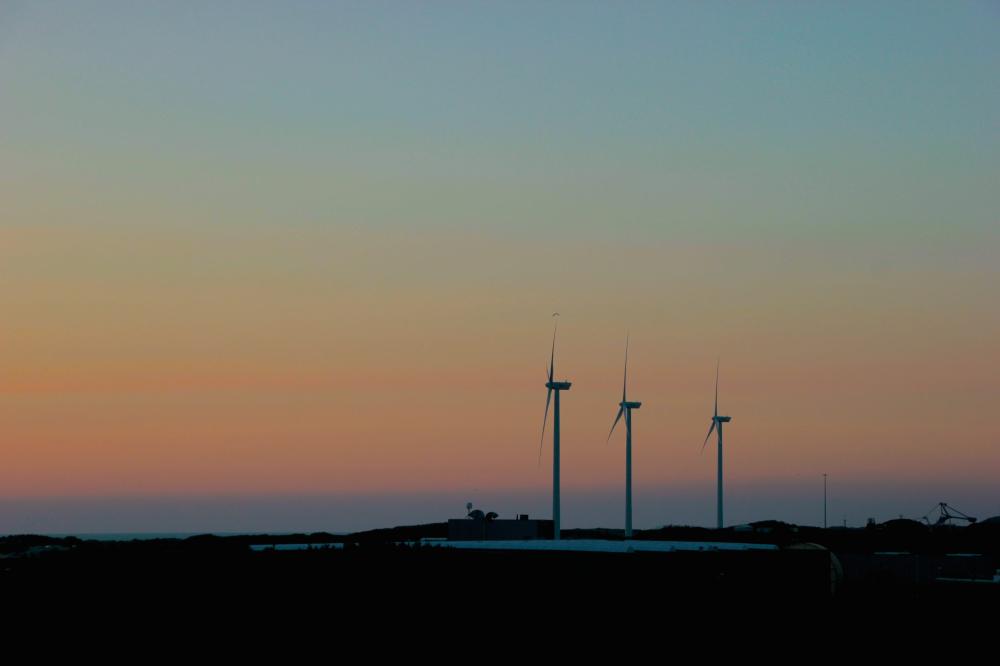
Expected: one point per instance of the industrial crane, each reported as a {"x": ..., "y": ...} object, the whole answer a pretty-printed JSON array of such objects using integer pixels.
[{"x": 946, "y": 513}]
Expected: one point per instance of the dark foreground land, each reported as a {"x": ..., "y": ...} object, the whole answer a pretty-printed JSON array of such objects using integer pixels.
[{"x": 901, "y": 564}]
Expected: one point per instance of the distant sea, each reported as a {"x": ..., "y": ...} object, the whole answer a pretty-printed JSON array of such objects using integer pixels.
[
  {"x": 130, "y": 536},
  {"x": 145, "y": 536}
]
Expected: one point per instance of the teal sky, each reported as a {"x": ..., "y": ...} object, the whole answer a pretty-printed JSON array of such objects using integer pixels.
[
  {"x": 226, "y": 228},
  {"x": 706, "y": 118}
]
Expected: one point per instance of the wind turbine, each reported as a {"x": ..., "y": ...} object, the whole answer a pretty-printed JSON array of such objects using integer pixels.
[
  {"x": 717, "y": 422},
  {"x": 553, "y": 385},
  {"x": 625, "y": 408}
]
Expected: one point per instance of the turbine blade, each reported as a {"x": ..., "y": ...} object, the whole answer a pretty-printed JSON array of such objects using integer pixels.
[
  {"x": 716, "y": 387},
  {"x": 710, "y": 431},
  {"x": 625, "y": 381},
  {"x": 621, "y": 410},
  {"x": 541, "y": 440},
  {"x": 552, "y": 358}
]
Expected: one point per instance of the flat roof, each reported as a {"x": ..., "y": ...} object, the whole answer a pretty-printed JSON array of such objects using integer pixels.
[
  {"x": 295, "y": 546},
  {"x": 605, "y": 546}
]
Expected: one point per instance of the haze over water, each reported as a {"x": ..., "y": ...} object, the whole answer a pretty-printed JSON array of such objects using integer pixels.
[{"x": 291, "y": 267}]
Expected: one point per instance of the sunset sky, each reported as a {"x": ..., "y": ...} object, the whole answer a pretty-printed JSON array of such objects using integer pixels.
[{"x": 292, "y": 266}]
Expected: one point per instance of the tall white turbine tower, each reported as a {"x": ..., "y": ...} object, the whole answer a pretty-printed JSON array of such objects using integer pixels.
[
  {"x": 717, "y": 422},
  {"x": 625, "y": 408},
  {"x": 553, "y": 385}
]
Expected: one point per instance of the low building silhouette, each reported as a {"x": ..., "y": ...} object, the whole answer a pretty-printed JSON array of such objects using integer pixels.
[{"x": 488, "y": 527}]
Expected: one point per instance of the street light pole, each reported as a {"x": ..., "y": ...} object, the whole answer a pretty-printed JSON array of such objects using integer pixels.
[{"x": 824, "y": 501}]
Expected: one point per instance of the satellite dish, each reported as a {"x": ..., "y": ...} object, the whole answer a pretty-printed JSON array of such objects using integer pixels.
[{"x": 477, "y": 515}]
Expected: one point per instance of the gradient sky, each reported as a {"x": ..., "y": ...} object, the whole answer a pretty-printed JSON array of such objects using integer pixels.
[{"x": 281, "y": 266}]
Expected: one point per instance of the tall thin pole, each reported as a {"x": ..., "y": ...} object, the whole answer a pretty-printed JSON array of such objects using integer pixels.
[
  {"x": 719, "y": 499},
  {"x": 555, "y": 472},
  {"x": 628, "y": 473},
  {"x": 824, "y": 501}
]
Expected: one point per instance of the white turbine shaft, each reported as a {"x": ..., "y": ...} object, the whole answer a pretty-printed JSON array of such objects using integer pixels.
[
  {"x": 717, "y": 422},
  {"x": 553, "y": 387},
  {"x": 555, "y": 471},
  {"x": 625, "y": 409},
  {"x": 628, "y": 473},
  {"x": 720, "y": 478}
]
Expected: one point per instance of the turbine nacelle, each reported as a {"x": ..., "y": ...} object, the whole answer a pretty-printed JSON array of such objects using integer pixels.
[
  {"x": 558, "y": 386},
  {"x": 722, "y": 419},
  {"x": 630, "y": 405}
]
